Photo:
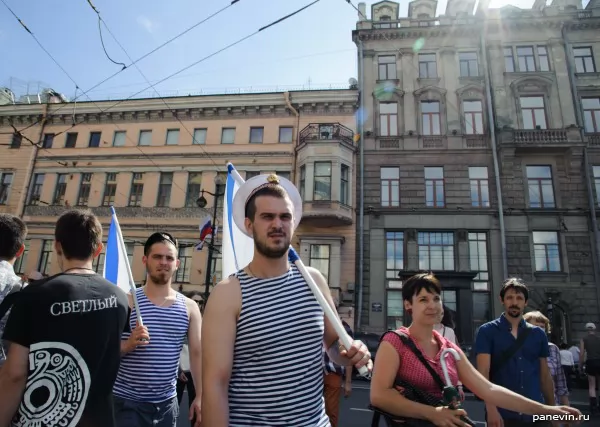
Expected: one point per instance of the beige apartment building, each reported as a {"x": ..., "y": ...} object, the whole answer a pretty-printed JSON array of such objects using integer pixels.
[
  {"x": 152, "y": 158},
  {"x": 481, "y": 159}
]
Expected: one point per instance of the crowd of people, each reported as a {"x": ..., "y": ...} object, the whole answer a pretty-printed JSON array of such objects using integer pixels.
[{"x": 78, "y": 351}]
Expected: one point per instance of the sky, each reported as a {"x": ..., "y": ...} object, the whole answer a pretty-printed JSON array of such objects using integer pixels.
[{"x": 313, "y": 49}]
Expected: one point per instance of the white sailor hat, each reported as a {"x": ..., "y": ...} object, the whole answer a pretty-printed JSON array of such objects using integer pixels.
[{"x": 254, "y": 184}]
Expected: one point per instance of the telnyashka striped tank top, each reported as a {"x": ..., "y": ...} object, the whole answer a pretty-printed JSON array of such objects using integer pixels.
[
  {"x": 277, "y": 373},
  {"x": 149, "y": 373}
]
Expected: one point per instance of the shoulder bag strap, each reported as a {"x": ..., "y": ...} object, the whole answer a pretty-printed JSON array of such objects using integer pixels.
[
  {"x": 511, "y": 351},
  {"x": 411, "y": 345}
]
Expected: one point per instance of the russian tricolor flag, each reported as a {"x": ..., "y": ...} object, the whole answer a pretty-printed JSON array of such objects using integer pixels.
[
  {"x": 237, "y": 249},
  {"x": 116, "y": 264}
]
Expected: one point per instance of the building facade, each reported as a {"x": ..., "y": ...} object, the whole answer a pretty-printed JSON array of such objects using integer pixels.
[
  {"x": 481, "y": 135},
  {"x": 152, "y": 158}
]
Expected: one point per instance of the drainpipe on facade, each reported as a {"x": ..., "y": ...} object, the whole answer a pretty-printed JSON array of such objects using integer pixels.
[
  {"x": 492, "y": 126},
  {"x": 361, "y": 217},
  {"x": 32, "y": 162},
  {"x": 588, "y": 179},
  {"x": 288, "y": 102}
]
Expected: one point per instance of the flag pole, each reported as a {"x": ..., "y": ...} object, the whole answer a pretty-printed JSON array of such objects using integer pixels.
[
  {"x": 129, "y": 273},
  {"x": 329, "y": 313}
]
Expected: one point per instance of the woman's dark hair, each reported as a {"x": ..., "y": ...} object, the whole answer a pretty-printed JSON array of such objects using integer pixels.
[
  {"x": 447, "y": 318},
  {"x": 417, "y": 283}
]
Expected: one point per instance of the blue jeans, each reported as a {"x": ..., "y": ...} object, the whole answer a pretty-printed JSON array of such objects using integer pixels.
[{"x": 129, "y": 413}]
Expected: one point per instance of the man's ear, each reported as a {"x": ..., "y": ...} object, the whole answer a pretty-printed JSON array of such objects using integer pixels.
[
  {"x": 248, "y": 224},
  {"x": 58, "y": 248},
  {"x": 98, "y": 249},
  {"x": 20, "y": 251}
]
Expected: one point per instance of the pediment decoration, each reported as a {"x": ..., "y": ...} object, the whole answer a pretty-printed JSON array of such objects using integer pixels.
[
  {"x": 430, "y": 92},
  {"x": 385, "y": 8},
  {"x": 531, "y": 84},
  {"x": 470, "y": 91}
]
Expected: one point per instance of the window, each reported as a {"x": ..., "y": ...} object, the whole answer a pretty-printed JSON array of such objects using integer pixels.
[
  {"x": 539, "y": 183},
  {"x": 137, "y": 189},
  {"x": 430, "y": 115},
  {"x": 36, "y": 189},
  {"x": 434, "y": 187},
  {"x": 110, "y": 189},
  {"x": 286, "y": 134},
  {"x": 468, "y": 64},
  {"x": 478, "y": 260},
  {"x": 251, "y": 174},
  {"x": 45, "y": 257},
  {"x": 164, "y": 189},
  {"x": 119, "y": 138},
  {"x": 394, "y": 253},
  {"x": 84, "y": 189},
  {"x": 384, "y": 19},
  {"x": 256, "y": 135},
  {"x": 390, "y": 187},
  {"x": 182, "y": 274},
  {"x": 5, "y": 183},
  {"x": 584, "y": 60},
  {"x": 71, "y": 140},
  {"x": 303, "y": 182},
  {"x": 533, "y": 112},
  {"x": 525, "y": 58},
  {"x": 473, "y": 111},
  {"x": 591, "y": 114},
  {"x": 436, "y": 251},
  {"x": 130, "y": 248},
  {"x": 481, "y": 309},
  {"x": 16, "y": 140},
  {"x": 387, "y": 67},
  {"x": 21, "y": 262},
  {"x": 596, "y": 172},
  {"x": 94, "y": 139},
  {"x": 172, "y": 137},
  {"x": 345, "y": 185},
  {"x": 547, "y": 255},
  {"x": 145, "y": 137},
  {"x": 395, "y": 309},
  {"x": 319, "y": 259},
  {"x": 283, "y": 174},
  {"x": 480, "y": 190},
  {"x": 427, "y": 66},
  {"x": 48, "y": 140},
  {"x": 61, "y": 188},
  {"x": 388, "y": 119},
  {"x": 322, "y": 190},
  {"x": 98, "y": 263},
  {"x": 217, "y": 267},
  {"x": 220, "y": 190},
  {"x": 543, "y": 58},
  {"x": 509, "y": 60},
  {"x": 199, "y": 136},
  {"x": 193, "y": 189},
  {"x": 228, "y": 136}
]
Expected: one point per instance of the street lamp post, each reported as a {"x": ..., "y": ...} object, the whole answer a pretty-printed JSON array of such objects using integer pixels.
[{"x": 201, "y": 202}]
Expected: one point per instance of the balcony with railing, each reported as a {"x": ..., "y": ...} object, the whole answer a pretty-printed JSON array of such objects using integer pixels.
[
  {"x": 541, "y": 138},
  {"x": 325, "y": 132}
]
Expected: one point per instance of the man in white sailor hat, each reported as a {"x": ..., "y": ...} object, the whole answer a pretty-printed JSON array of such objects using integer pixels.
[{"x": 263, "y": 330}]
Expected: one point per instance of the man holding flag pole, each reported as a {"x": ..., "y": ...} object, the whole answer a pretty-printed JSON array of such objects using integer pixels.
[{"x": 266, "y": 325}]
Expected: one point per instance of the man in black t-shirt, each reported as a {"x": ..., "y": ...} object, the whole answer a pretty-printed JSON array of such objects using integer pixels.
[{"x": 65, "y": 335}]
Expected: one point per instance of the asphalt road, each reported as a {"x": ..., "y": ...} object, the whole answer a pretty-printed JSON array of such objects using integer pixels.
[{"x": 354, "y": 412}]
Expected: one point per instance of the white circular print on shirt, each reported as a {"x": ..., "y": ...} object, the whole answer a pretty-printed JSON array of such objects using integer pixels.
[{"x": 57, "y": 387}]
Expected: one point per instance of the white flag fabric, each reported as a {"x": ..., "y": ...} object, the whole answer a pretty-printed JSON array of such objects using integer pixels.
[
  {"x": 237, "y": 248},
  {"x": 115, "y": 260}
]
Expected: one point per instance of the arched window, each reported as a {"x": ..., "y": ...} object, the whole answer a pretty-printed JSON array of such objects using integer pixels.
[
  {"x": 430, "y": 101},
  {"x": 532, "y": 102},
  {"x": 472, "y": 109}
]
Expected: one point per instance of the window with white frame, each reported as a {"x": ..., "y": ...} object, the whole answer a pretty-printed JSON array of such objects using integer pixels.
[
  {"x": 322, "y": 181},
  {"x": 199, "y": 136},
  {"x": 436, "y": 251},
  {"x": 509, "y": 60},
  {"x": 478, "y": 260},
  {"x": 388, "y": 119},
  {"x": 172, "y": 137},
  {"x": 394, "y": 309},
  {"x": 584, "y": 60},
  {"x": 479, "y": 184},
  {"x": 539, "y": 184},
  {"x": 546, "y": 251},
  {"x": 227, "y": 135},
  {"x": 427, "y": 66},
  {"x": 394, "y": 253},
  {"x": 390, "y": 187},
  {"x": 434, "y": 187},
  {"x": 430, "y": 117},
  {"x": 473, "y": 113},
  {"x": 119, "y": 138},
  {"x": 6, "y": 179},
  {"x": 84, "y": 189},
  {"x": 591, "y": 114},
  {"x": 533, "y": 112},
  {"x": 182, "y": 275},
  {"x": 387, "y": 67},
  {"x": 145, "y": 138},
  {"x": 319, "y": 258},
  {"x": 468, "y": 64}
]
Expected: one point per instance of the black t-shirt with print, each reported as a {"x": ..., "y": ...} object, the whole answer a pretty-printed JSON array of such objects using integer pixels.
[{"x": 72, "y": 324}]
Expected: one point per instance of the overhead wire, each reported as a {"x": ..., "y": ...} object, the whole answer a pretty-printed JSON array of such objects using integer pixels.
[{"x": 172, "y": 39}]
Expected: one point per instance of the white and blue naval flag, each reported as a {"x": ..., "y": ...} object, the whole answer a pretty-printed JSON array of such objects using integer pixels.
[{"x": 116, "y": 262}]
